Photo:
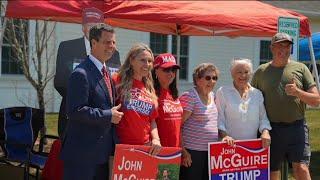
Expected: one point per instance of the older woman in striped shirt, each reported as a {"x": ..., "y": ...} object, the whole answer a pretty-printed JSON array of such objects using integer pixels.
[{"x": 199, "y": 122}]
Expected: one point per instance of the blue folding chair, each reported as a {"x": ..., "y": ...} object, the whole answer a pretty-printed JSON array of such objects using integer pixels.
[{"x": 19, "y": 129}]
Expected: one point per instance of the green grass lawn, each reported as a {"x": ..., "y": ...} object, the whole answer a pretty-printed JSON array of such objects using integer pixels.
[
  {"x": 52, "y": 123},
  {"x": 313, "y": 118}
]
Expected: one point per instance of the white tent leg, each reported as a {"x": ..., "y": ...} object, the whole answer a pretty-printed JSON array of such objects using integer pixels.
[
  {"x": 315, "y": 70},
  {"x": 178, "y": 48},
  {"x": 178, "y": 53}
]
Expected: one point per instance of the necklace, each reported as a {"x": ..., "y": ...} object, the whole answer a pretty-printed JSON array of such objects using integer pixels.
[{"x": 244, "y": 106}]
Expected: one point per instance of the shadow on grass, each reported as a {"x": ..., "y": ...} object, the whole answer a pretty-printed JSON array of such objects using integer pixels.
[{"x": 315, "y": 165}]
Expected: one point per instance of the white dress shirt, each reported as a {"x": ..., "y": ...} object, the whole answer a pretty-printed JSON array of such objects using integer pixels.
[
  {"x": 241, "y": 118},
  {"x": 97, "y": 63},
  {"x": 87, "y": 44}
]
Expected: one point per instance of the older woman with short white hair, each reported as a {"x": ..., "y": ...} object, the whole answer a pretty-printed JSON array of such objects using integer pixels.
[{"x": 241, "y": 111}]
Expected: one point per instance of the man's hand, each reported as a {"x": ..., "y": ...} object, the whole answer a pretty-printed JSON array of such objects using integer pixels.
[
  {"x": 292, "y": 88},
  {"x": 116, "y": 115}
]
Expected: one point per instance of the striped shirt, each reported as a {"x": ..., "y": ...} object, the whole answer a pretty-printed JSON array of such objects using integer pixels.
[{"x": 201, "y": 127}]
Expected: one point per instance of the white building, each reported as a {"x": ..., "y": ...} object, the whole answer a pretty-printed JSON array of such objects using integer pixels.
[{"x": 15, "y": 90}]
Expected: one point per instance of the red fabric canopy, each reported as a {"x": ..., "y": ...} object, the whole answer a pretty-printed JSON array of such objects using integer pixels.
[{"x": 200, "y": 18}]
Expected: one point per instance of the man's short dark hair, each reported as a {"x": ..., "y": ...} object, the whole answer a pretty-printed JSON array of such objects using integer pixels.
[{"x": 96, "y": 31}]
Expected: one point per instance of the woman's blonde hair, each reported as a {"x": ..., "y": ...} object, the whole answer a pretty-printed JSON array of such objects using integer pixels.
[{"x": 126, "y": 74}]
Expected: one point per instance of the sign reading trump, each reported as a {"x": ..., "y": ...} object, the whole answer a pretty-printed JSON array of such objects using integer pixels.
[
  {"x": 133, "y": 162},
  {"x": 247, "y": 160}
]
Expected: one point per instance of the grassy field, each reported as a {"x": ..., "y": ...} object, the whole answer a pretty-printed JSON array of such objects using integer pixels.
[
  {"x": 52, "y": 124},
  {"x": 313, "y": 118}
]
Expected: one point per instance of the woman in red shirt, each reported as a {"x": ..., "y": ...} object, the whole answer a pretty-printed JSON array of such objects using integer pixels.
[
  {"x": 169, "y": 109},
  {"x": 136, "y": 94}
]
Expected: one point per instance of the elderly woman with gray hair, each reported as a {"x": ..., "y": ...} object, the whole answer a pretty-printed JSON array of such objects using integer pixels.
[
  {"x": 200, "y": 124},
  {"x": 241, "y": 111}
]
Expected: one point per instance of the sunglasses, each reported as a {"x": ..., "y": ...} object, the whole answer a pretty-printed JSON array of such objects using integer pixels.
[
  {"x": 167, "y": 70},
  {"x": 208, "y": 78}
]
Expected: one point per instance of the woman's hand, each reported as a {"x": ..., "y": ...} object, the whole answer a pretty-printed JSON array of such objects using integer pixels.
[
  {"x": 229, "y": 140},
  {"x": 186, "y": 158},
  {"x": 266, "y": 139},
  {"x": 155, "y": 147}
]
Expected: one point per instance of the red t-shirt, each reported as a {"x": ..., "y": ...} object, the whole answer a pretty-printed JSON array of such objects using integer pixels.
[
  {"x": 135, "y": 126},
  {"x": 169, "y": 119}
]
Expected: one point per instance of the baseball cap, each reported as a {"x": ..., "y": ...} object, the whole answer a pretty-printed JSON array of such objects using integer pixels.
[
  {"x": 92, "y": 15},
  {"x": 280, "y": 37},
  {"x": 165, "y": 60}
]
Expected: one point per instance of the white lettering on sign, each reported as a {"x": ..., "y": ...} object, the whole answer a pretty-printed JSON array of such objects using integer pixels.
[
  {"x": 130, "y": 165},
  {"x": 237, "y": 160},
  {"x": 245, "y": 175}
]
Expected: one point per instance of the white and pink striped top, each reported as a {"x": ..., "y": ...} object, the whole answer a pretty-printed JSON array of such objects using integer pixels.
[{"x": 202, "y": 126}]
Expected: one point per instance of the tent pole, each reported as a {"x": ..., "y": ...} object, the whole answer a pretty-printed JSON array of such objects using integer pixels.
[
  {"x": 178, "y": 48},
  {"x": 178, "y": 54},
  {"x": 315, "y": 70}
]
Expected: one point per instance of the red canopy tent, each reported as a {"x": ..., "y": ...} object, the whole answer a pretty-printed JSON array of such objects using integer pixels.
[{"x": 199, "y": 18}]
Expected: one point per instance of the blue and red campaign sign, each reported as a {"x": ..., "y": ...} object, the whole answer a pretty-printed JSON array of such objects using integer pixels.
[
  {"x": 134, "y": 162},
  {"x": 247, "y": 160}
]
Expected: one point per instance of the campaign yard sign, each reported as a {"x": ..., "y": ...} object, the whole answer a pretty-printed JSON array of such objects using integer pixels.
[
  {"x": 133, "y": 162},
  {"x": 247, "y": 160}
]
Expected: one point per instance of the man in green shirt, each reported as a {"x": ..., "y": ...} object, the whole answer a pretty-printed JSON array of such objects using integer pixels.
[{"x": 287, "y": 87}]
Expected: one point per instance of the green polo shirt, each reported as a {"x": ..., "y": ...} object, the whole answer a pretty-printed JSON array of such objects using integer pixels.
[{"x": 272, "y": 80}]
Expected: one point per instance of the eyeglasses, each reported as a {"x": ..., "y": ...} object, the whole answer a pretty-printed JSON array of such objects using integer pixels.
[
  {"x": 208, "y": 78},
  {"x": 167, "y": 70}
]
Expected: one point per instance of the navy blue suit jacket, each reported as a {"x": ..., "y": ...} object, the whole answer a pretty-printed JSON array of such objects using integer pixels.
[
  {"x": 69, "y": 52},
  {"x": 90, "y": 136}
]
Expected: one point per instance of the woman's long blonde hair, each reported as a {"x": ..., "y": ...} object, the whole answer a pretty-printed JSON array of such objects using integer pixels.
[{"x": 126, "y": 74}]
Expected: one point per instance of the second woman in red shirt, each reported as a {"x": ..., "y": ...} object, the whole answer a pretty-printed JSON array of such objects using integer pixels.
[{"x": 169, "y": 107}]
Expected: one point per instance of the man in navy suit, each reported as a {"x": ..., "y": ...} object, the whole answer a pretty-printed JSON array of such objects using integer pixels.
[
  {"x": 90, "y": 133},
  {"x": 73, "y": 52}
]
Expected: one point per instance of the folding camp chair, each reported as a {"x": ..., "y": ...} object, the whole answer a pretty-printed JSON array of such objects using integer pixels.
[{"x": 19, "y": 129}]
